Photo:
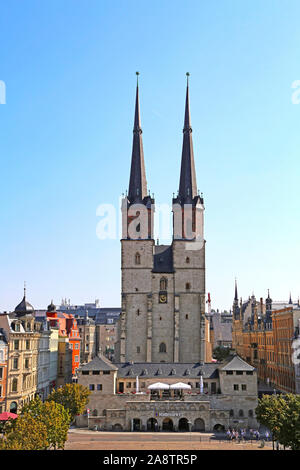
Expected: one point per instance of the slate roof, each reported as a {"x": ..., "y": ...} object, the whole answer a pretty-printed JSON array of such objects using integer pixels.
[
  {"x": 222, "y": 329},
  {"x": 168, "y": 369},
  {"x": 100, "y": 362},
  {"x": 237, "y": 363},
  {"x": 163, "y": 259}
]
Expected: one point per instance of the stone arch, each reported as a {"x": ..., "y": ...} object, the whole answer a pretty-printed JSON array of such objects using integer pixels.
[
  {"x": 199, "y": 425},
  {"x": 117, "y": 427},
  {"x": 167, "y": 424},
  {"x": 13, "y": 407},
  {"x": 137, "y": 424},
  {"x": 152, "y": 424},
  {"x": 183, "y": 425}
]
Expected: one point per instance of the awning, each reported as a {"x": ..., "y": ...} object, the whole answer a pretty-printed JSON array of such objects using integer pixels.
[
  {"x": 180, "y": 385},
  {"x": 159, "y": 386},
  {"x": 5, "y": 416}
]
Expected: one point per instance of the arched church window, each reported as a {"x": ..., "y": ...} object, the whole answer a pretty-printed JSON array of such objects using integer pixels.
[
  {"x": 137, "y": 258},
  {"x": 162, "y": 348},
  {"x": 187, "y": 286},
  {"x": 187, "y": 260},
  {"x": 163, "y": 283}
]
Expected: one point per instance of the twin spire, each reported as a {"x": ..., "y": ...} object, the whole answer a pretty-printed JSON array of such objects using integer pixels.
[{"x": 138, "y": 183}]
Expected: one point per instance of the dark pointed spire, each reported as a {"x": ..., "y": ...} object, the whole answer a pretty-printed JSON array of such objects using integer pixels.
[
  {"x": 187, "y": 184},
  {"x": 290, "y": 301},
  {"x": 236, "y": 292},
  {"x": 137, "y": 183}
]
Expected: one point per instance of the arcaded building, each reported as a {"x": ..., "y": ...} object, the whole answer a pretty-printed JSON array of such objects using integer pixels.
[{"x": 167, "y": 396}]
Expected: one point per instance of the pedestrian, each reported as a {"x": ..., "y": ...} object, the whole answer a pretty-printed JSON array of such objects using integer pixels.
[{"x": 267, "y": 435}]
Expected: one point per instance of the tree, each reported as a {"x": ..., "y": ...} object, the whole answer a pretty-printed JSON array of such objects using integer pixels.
[
  {"x": 74, "y": 398},
  {"x": 220, "y": 353},
  {"x": 55, "y": 417},
  {"x": 281, "y": 414},
  {"x": 25, "y": 433}
]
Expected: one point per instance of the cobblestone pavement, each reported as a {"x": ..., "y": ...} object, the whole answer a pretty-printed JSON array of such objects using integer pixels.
[{"x": 90, "y": 440}]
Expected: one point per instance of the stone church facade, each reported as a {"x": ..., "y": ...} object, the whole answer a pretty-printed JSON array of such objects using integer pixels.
[{"x": 163, "y": 286}]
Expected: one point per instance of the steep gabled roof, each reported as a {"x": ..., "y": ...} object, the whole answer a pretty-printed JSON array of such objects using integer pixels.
[
  {"x": 237, "y": 363},
  {"x": 100, "y": 362}
]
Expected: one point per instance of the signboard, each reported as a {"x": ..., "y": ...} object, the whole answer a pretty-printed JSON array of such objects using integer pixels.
[{"x": 168, "y": 414}]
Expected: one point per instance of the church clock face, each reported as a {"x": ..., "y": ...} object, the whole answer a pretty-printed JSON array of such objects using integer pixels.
[{"x": 162, "y": 298}]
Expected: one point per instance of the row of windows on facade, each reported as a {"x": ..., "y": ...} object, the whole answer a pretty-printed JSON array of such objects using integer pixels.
[
  {"x": 15, "y": 363},
  {"x": 162, "y": 348},
  {"x": 95, "y": 372},
  {"x": 28, "y": 382},
  {"x": 16, "y": 326},
  {"x": 18, "y": 343}
]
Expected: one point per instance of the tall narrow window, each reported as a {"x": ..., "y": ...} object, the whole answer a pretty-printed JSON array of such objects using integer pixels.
[
  {"x": 162, "y": 348},
  {"x": 14, "y": 387},
  {"x": 163, "y": 283},
  {"x": 187, "y": 286},
  {"x": 137, "y": 258}
]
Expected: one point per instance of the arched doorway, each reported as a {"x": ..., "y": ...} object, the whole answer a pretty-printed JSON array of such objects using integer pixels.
[
  {"x": 199, "y": 425},
  {"x": 183, "y": 425},
  {"x": 152, "y": 424},
  {"x": 13, "y": 407},
  {"x": 117, "y": 427},
  {"x": 219, "y": 428},
  {"x": 136, "y": 424},
  {"x": 167, "y": 424}
]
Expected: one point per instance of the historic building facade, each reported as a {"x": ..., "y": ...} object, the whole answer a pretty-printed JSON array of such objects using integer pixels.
[
  {"x": 264, "y": 338},
  {"x": 3, "y": 369},
  {"x": 163, "y": 286},
  {"x": 22, "y": 333},
  {"x": 195, "y": 397}
]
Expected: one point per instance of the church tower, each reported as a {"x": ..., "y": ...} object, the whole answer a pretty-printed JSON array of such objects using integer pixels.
[
  {"x": 163, "y": 286},
  {"x": 188, "y": 249},
  {"x": 137, "y": 243}
]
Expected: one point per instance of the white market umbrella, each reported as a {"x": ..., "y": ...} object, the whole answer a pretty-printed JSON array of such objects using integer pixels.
[
  {"x": 159, "y": 386},
  {"x": 180, "y": 385}
]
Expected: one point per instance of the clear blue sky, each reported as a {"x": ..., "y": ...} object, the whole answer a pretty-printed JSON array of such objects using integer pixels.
[{"x": 66, "y": 134}]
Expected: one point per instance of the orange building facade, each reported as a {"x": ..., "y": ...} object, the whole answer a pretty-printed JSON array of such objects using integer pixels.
[
  {"x": 266, "y": 343},
  {"x": 68, "y": 330}
]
